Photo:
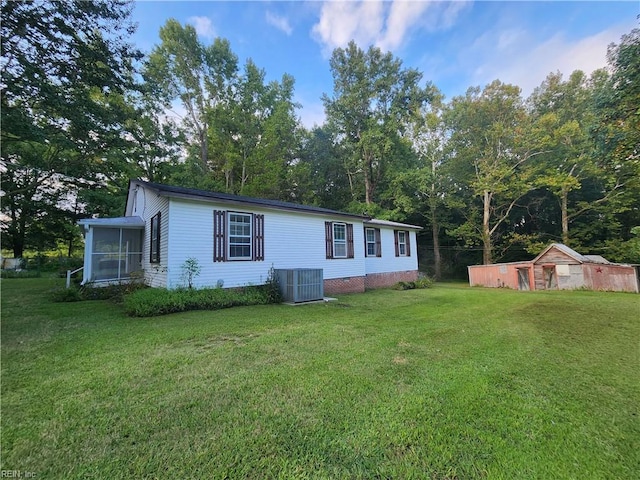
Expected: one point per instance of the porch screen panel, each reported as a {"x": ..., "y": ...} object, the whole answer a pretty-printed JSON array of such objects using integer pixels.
[
  {"x": 105, "y": 261},
  {"x": 131, "y": 251},
  {"x": 117, "y": 252}
]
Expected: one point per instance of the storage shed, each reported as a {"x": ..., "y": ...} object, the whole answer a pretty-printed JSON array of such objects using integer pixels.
[{"x": 558, "y": 267}]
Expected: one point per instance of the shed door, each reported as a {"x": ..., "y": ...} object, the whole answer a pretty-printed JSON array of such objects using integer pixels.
[
  {"x": 523, "y": 279},
  {"x": 550, "y": 278}
]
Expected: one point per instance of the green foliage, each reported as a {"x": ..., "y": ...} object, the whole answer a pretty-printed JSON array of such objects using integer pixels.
[
  {"x": 66, "y": 68},
  {"x": 190, "y": 271},
  {"x": 423, "y": 282},
  {"x": 20, "y": 274},
  {"x": 156, "y": 301},
  {"x": 78, "y": 293},
  {"x": 485, "y": 170},
  {"x": 50, "y": 263},
  {"x": 373, "y": 98},
  {"x": 116, "y": 292},
  {"x": 271, "y": 288},
  {"x": 71, "y": 294}
]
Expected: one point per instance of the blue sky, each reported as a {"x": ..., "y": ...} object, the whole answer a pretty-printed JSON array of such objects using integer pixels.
[{"x": 455, "y": 45}]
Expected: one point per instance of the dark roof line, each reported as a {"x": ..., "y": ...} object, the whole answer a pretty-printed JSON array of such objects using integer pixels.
[{"x": 171, "y": 190}]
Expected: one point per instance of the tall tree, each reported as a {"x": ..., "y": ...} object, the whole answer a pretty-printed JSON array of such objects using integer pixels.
[
  {"x": 372, "y": 99},
  {"x": 199, "y": 76},
  {"x": 490, "y": 147},
  {"x": 618, "y": 135},
  {"x": 319, "y": 174},
  {"x": 421, "y": 190},
  {"x": 279, "y": 144},
  {"x": 65, "y": 68},
  {"x": 563, "y": 110}
]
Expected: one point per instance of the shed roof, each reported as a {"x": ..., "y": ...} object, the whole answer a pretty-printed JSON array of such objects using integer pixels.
[{"x": 573, "y": 254}]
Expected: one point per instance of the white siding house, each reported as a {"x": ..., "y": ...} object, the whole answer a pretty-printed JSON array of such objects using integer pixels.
[{"x": 237, "y": 240}]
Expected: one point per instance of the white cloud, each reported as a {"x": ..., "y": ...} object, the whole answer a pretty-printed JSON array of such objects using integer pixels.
[
  {"x": 515, "y": 57},
  {"x": 402, "y": 16},
  {"x": 203, "y": 27},
  {"x": 281, "y": 23},
  {"x": 341, "y": 22},
  {"x": 385, "y": 24}
]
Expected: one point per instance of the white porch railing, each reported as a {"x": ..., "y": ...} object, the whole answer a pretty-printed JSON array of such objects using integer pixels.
[{"x": 71, "y": 272}]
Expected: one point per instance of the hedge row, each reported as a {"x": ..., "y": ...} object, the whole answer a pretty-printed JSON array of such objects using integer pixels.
[
  {"x": 424, "y": 282},
  {"x": 156, "y": 301}
]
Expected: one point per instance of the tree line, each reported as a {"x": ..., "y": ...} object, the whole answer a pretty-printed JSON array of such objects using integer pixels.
[{"x": 489, "y": 174}]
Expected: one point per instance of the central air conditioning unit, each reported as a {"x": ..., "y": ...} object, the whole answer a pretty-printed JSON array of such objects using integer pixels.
[{"x": 301, "y": 284}]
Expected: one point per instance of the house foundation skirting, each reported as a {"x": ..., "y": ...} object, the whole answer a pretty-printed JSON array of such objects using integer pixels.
[
  {"x": 382, "y": 280},
  {"x": 334, "y": 286}
]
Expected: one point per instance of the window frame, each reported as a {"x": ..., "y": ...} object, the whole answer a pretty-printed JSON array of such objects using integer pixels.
[
  {"x": 402, "y": 243},
  {"x": 376, "y": 242},
  {"x": 229, "y": 235},
  {"x": 406, "y": 244},
  {"x": 342, "y": 242},
  {"x": 330, "y": 244},
  {"x": 369, "y": 243}
]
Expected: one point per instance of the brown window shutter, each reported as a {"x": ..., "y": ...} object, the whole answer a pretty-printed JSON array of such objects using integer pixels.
[
  {"x": 350, "y": 251},
  {"x": 407, "y": 236},
  {"x": 328, "y": 235},
  {"x": 378, "y": 243},
  {"x": 258, "y": 237},
  {"x": 154, "y": 246},
  {"x": 395, "y": 240},
  {"x": 364, "y": 232},
  {"x": 219, "y": 243}
]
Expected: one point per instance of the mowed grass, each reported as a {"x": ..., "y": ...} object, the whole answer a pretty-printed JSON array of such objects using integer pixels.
[{"x": 445, "y": 383}]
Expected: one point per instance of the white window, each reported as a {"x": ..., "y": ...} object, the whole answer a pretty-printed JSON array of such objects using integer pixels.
[
  {"x": 371, "y": 242},
  {"x": 239, "y": 236},
  {"x": 402, "y": 244},
  {"x": 339, "y": 240}
]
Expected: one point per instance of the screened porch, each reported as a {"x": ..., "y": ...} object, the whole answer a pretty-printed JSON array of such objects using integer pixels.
[{"x": 113, "y": 249}]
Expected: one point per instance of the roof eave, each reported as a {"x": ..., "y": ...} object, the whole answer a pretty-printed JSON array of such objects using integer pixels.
[
  {"x": 212, "y": 198},
  {"x": 387, "y": 223}
]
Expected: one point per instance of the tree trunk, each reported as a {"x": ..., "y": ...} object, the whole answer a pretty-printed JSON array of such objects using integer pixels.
[
  {"x": 18, "y": 248},
  {"x": 204, "y": 150},
  {"x": 435, "y": 231},
  {"x": 368, "y": 179},
  {"x": 487, "y": 254},
  {"x": 564, "y": 200},
  {"x": 368, "y": 189}
]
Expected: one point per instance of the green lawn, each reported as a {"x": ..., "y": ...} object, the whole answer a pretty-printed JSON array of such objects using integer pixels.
[{"x": 446, "y": 383}]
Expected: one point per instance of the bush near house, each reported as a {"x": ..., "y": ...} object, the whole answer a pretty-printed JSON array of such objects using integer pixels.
[
  {"x": 422, "y": 282},
  {"x": 158, "y": 301}
]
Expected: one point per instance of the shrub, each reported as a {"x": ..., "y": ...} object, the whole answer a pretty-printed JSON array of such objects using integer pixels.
[
  {"x": 78, "y": 293},
  {"x": 115, "y": 292},
  {"x": 272, "y": 287},
  {"x": 190, "y": 270},
  {"x": 157, "y": 301},
  {"x": 422, "y": 282},
  {"x": 67, "y": 295}
]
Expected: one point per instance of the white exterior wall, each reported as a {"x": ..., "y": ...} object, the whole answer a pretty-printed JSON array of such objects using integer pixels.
[
  {"x": 145, "y": 203},
  {"x": 388, "y": 262},
  {"x": 291, "y": 240}
]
